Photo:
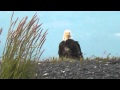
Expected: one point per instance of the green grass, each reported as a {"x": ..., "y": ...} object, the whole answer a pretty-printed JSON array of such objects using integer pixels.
[
  {"x": 93, "y": 58},
  {"x": 23, "y": 49}
]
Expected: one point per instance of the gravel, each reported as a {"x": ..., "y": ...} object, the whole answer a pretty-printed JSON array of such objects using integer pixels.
[{"x": 89, "y": 69}]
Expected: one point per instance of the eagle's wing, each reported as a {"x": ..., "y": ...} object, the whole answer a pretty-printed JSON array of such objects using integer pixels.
[
  {"x": 61, "y": 48},
  {"x": 80, "y": 52}
]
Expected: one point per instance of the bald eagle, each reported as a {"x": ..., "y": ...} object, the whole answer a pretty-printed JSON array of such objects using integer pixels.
[{"x": 69, "y": 48}]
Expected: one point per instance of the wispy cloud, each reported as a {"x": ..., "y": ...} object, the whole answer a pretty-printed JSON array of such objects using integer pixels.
[{"x": 117, "y": 35}]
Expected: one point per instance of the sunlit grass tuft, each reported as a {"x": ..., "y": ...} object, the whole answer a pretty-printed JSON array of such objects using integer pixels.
[{"x": 23, "y": 49}]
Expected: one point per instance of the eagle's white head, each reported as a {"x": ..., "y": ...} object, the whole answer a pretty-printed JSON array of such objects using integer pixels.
[{"x": 66, "y": 35}]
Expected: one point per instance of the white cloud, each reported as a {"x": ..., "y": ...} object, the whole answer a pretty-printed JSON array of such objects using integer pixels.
[{"x": 117, "y": 34}]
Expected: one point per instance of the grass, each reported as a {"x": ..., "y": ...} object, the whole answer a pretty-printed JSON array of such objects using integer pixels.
[
  {"x": 82, "y": 60},
  {"x": 23, "y": 49}
]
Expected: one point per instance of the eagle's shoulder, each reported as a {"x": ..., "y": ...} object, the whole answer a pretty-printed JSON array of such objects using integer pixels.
[
  {"x": 62, "y": 42},
  {"x": 71, "y": 40}
]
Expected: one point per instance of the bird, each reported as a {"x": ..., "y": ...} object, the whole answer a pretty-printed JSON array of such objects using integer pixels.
[{"x": 68, "y": 47}]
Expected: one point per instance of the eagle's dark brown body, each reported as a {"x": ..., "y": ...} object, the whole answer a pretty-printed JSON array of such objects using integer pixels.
[{"x": 70, "y": 49}]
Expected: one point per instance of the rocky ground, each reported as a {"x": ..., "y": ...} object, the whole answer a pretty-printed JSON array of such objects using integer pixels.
[{"x": 89, "y": 69}]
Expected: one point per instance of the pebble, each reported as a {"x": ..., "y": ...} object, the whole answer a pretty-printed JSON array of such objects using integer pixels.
[
  {"x": 45, "y": 74},
  {"x": 95, "y": 66},
  {"x": 89, "y": 70}
]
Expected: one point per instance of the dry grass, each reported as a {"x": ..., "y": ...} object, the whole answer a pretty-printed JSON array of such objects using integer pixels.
[{"x": 23, "y": 49}]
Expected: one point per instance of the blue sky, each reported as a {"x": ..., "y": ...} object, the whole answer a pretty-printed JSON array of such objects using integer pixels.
[{"x": 96, "y": 31}]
